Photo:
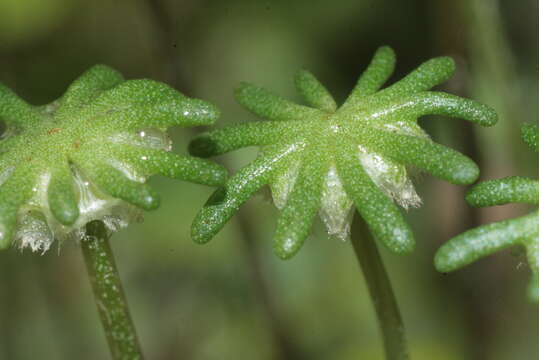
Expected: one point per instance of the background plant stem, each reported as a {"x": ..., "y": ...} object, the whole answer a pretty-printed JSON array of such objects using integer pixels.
[
  {"x": 284, "y": 346},
  {"x": 109, "y": 295},
  {"x": 382, "y": 296}
]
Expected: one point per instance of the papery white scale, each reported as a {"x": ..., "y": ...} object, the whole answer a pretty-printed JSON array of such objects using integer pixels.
[
  {"x": 335, "y": 205},
  {"x": 391, "y": 177}
]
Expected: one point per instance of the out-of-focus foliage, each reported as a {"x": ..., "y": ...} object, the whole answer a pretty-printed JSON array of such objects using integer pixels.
[
  {"x": 29, "y": 20},
  {"x": 202, "y": 302}
]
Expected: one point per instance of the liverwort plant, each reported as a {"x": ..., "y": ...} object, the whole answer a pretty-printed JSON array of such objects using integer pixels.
[
  {"x": 84, "y": 159},
  {"x": 323, "y": 159},
  {"x": 328, "y": 159},
  {"x": 485, "y": 240}
]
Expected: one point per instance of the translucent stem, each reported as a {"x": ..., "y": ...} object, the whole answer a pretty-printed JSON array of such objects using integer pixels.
[
  {"x": 382, "y": 296},
  {"x": 109, "y": 296}
]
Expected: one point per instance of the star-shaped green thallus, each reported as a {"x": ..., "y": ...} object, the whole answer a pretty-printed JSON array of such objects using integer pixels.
[
  {"x": 87, "y": 155},
  {"x": 485, "y": 240},
  {"x": 324, "y": 158}
]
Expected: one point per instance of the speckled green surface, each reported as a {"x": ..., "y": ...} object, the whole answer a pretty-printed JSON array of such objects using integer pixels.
[
  {"x": 109, "y": 293},
  {"x": 485, "y": 240},
  {"x": 324, "y": 159},
  {"x": 87, "y": 155}
]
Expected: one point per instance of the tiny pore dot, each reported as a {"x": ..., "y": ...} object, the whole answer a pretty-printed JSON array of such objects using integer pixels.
[
  {"x": 142, "y": 134},
  {"x": 86, "y": 183},
  {"x": 144, "y": 158},
  {"x": 185, "y": 113}
]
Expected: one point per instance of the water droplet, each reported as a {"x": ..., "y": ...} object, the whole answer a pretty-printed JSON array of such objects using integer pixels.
[{"x": 288, "y": 244}]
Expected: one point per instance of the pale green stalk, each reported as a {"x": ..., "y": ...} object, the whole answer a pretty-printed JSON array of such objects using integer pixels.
[
  {"x": 109, "y": 295},
  {"x": 383, "y": 298}
]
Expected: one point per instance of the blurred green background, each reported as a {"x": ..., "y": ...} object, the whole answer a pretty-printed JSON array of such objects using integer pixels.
[{"x": 232, "y": 298}]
